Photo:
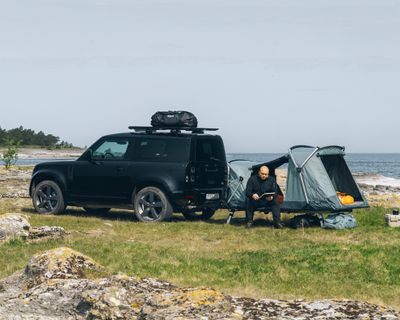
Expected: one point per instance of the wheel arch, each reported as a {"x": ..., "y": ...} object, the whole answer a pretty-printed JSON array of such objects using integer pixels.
[
  {"x": 48, "y": 175},
  {"x": 152, "y": 183}
]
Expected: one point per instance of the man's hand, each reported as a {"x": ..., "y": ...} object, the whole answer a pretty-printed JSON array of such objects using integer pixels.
[
  {"x": 269, "y": 198},
  {"x": 255, "y": 197}
]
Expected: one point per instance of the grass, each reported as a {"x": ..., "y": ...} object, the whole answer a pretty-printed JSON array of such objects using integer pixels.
[{"x": 363, "y": 263}]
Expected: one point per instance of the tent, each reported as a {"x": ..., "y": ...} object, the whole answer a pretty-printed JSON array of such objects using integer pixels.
[{"x": 314, "y": 176}]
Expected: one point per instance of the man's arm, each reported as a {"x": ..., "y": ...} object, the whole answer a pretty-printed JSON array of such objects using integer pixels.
[{"x": 250, "y": 189}]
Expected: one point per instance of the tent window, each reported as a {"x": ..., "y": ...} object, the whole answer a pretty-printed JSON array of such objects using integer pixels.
[{"x": 340, "y": 175}]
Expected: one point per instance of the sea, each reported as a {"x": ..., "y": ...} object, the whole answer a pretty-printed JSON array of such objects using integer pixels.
[{"x": 369, "y": 168}]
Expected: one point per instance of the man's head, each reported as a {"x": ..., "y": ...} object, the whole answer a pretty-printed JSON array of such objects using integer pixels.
[{"x": 263, "y": 173}]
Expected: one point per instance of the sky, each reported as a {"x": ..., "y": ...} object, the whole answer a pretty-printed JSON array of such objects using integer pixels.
[{"x": 269, "y": 74}]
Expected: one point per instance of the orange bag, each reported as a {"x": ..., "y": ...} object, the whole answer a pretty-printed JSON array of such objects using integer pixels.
[
  {"x": 345, "y": 198},
  {"x": 280, "y": 198}
]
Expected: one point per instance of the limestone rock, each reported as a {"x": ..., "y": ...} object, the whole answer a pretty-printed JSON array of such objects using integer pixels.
[
  {"x": 60, "y": 263},
  {"x": 14, "y": 226},
  {"x": 36, "y": 233},
  {"x": 17, "y": 226}
]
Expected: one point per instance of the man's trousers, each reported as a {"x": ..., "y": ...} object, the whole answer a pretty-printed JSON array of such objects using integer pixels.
[{"x": 252, "y": 205}]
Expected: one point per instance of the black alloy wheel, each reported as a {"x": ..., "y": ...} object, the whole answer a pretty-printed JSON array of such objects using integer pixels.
[
  {"x": 152, "y": 205},
  {"x": 48, "y": 198}
]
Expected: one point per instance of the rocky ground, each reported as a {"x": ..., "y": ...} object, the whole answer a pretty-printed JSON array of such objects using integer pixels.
[
  {"x": 14, "y": 183},
  {"x": 62, "y": 284}
]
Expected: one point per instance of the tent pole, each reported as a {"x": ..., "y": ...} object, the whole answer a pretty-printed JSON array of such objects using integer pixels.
[
  {"x": 303, "y": 186},
  {"x": 309, "y": 157}
]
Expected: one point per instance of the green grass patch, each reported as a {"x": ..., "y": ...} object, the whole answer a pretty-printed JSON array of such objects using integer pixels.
[{"x": 362, "y": 263}]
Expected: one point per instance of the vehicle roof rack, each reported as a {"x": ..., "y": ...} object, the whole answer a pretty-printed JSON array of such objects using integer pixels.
[{"x": 172, "y": 129}]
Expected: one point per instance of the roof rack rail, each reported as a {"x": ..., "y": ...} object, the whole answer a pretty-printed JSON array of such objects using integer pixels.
[{"x": 172, "y": 129}]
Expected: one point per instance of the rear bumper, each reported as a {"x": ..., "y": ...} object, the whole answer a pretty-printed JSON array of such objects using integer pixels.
[{"x": 199, "y": 198}]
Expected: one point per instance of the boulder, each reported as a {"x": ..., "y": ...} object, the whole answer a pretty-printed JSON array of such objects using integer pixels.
[
  {"x": 36, "y": 233},
  {"x": 60, "y": 263},
  {"x": 14, "y": 226}
]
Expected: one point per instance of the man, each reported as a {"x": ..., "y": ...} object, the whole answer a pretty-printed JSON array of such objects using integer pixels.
[{"x": 256, "y": 186}]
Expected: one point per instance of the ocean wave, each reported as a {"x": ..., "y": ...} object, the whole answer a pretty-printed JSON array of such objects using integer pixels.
[{"x": 377, "y": 180}]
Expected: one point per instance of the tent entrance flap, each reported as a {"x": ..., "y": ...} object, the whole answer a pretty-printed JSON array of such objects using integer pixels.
[{"x": 340, "y": 175}]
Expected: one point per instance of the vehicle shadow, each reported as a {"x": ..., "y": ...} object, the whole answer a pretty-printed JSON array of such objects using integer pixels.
[
  {"x": 129, "y": 215},
  {"x": 113, "y": 214},
  {"x": 124, "y": 215},
  {"x": 241, "y": 222}
]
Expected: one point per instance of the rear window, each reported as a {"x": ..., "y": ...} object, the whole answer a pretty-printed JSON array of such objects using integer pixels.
[
  {"x": 209, "y": 148},
  {"x": 162, "y": 150}
]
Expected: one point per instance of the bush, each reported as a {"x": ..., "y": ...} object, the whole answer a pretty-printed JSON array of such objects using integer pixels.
[{"x": 10, "y": 156}]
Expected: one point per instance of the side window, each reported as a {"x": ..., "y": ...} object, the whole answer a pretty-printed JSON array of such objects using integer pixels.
[
  {"x": 162, "y": 150},
  {"x": 209, "y": 148},
  {"x": 111, "y": 150}
]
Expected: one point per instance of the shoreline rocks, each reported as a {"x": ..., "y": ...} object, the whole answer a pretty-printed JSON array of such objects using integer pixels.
[{"x": 54, "y": 285}]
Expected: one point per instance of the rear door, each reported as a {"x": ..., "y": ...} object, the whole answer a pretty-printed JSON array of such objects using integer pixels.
[{"x": 210, "y": 163}]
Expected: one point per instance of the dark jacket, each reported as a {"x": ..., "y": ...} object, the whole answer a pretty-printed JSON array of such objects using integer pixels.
[{"x": 256, "y": 185}]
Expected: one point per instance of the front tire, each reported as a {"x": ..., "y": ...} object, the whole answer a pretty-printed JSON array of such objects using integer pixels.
[
  {"x": 48, "y": 198},
  {"x": 152, "y": 205}
]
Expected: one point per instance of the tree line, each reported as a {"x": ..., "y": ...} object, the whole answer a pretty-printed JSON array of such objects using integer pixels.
[{"x": 28, "y": 137}]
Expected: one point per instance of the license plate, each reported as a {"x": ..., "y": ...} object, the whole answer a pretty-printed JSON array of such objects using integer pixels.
[{"x": 212, "y": 196}]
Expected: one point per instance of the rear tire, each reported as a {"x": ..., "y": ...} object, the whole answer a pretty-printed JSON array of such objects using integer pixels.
[
  {"x": 152, "y": 205},
  {"x": 47, "y": 198},
  {"x": 205, "y": 214}
]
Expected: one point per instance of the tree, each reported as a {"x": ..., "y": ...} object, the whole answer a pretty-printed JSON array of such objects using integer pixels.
[
  {"x": 10, "y": 156},
  {"x": 28, "y": 137},
  {"x": 3, "y": 135}
]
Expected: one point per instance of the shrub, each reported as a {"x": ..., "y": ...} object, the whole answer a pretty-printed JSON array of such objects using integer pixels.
[{"x": 10, "y": 155}]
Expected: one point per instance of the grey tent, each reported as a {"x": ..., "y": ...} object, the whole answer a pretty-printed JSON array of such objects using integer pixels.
[{"x": 314, "y": 176}]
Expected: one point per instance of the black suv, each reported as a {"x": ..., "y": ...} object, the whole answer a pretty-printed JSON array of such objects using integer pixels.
[{"x": 154, "y": 172}]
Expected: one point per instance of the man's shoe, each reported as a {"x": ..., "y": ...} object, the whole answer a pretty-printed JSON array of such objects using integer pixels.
[
  {"x": 278, "y": 225},
  {"x": 249, "y": 224}
]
